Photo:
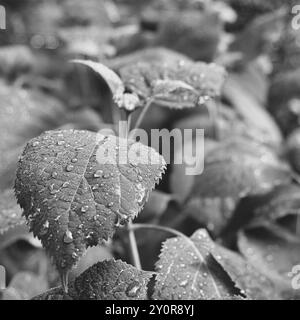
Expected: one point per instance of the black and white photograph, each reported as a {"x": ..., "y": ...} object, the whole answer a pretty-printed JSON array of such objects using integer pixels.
[{"x": 149, "y": 150}]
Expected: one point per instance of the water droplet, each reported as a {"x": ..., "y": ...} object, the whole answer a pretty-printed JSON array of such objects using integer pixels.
[
  {"x": 54, "y": 174},
  {"x": 74, "y": 160},
  {"x": 183, "y": 283},
  {"x": 98, "y": 174},
  {"x": 133, "y": 289},
  {"x": 60, "y": 143},
  {"x": 68, "y": 237},
  {"x": 110, "y": 204},
  {"x": 84, "y": 208},
  {"x": 44, "y": 229},
  {"x": 35, "y": 143},
  {"x": 69, "y": 167},
  {"x": 65, "y": 184}
]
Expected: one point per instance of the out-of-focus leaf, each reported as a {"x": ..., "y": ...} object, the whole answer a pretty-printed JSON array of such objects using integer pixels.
[
  {"x": 23, "y": 115},
  {"x": 262, "y": 33},
  {"x": 293, "y": 149},
  {"x": 181, "y": 184},
  {"x": 157, "y": 204},
  {"x": 10, "y": 212},
  {"x": 15, "y": 60},
  {"x": 107, "y": 280},
  {"x": 24, "y": 286},
  {"x": 283, "y": 101},
  {"x": 236, "y": 169},
  {"x": 206, "y": 79},
  {"x": 111, "y": 78},
  {"x": 248, "y": 10},
  {"x": 274, "y": 254},
  {"x": 253, "y": 284},
  {"x": 74, "y": 200},
  {"x": 251, "y": 111},
  {"x": 196, "y": 35}
]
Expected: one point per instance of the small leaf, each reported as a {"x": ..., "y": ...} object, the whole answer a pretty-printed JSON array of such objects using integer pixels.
[
  {"x": 206, "y": 79},
  {"x": 107, "y": 280},
  {"x": 187, "y": 271},
  {"x": 111, "y": 78},
  {"x": 73, "y": 201}
]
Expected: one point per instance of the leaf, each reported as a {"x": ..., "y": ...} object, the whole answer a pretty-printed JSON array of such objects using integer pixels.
[
  {"x": 163, "y": 88},
  {"x": 293, "y": 149},
  {"x": 187, "y": 271},
  {"x": 10, "y": 212},
  {"x": 107, "y": 280},
  {"x": 236, "y": 169},
  {"x": 260, "y": 35},
  {"x": 71, "y": 200},
  {"x": 274, "y": 253},
  {"x": 21, "y": 119},
  {"x": 111, "y": 78},
  {"x": 15, "y": 59},
  {"x": 147, "y": 55},
  {"x": 204, "y": 270},
  {"x": 280, "y": 203},
  {"x": 206, "y": 79},
  {"x": 251, "y": 111},
  {"x": 24, "y": 286}
]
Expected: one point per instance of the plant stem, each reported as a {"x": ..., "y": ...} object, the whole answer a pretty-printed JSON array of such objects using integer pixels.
[
  {"x": 132, "y": 240},
  {"x": 176, "y": 233},
  {"x": 143, "y": 113},
  {"x": 133, "y": 247}
]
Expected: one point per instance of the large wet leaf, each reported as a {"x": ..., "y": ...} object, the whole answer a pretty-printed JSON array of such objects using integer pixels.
[
  {"x": 234, "y": 170},
  {"x": 73, "y": 201},
  {"x": 186, "y": 270},
  {"x": 206, "y": 79},
  {"x": 197, "y": 268},
  {"x": 148, "y": 55},
  {"x": 107, "y": 280},
  {"x": 274, "y": 252}
]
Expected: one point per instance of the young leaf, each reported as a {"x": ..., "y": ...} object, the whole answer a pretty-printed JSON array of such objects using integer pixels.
[
  {"x": 206, "y": 79},
  {"x": 186, "y": 270},
  {"x": 107, "y": 280},
  {"x": 72, "y": 199},
  {"x": 113, "y": 81}
]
